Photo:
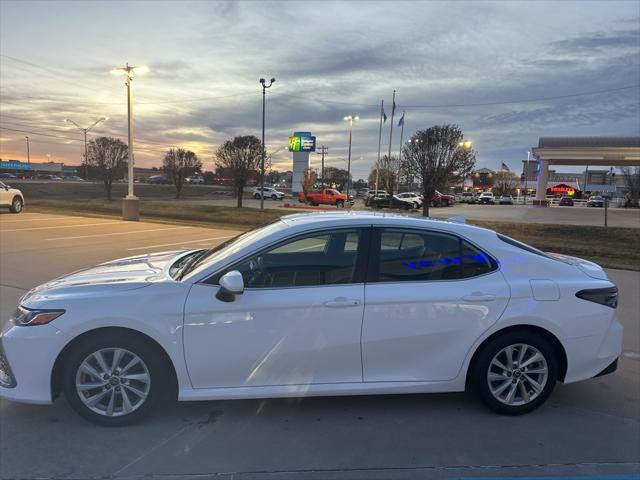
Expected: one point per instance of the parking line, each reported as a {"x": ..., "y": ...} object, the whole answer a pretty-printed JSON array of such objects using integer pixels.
[
  {"x": 116, "y": 233},
  {"x": 181, "y": 243},
  {"x": 61, "y": 226},
  {"x": 2, "y": 222}
]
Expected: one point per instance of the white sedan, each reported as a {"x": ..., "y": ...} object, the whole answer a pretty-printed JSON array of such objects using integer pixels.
[{"x": 316, "y": 304}]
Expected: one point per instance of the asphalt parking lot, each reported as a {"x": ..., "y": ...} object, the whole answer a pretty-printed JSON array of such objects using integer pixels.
[{"x": 590, "y": 428}]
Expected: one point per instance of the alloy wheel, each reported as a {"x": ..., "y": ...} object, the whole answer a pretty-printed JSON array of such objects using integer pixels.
[
  {"x": 113, "y": 382},
  {"x": 517, "y": 374}
]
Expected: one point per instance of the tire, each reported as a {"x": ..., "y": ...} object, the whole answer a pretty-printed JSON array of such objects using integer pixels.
[
  {"x": 445, "y": 203},
  {"x": 535, "y": 386},
  {"x": 151, "y": 366},
  {"x": 256, "y": 196},
  {"x": 340, "y": 203},
  {"x": 416, "y": 206},
  {"x": 274, "y": 197},
  {"x": 16, "y": 205}
]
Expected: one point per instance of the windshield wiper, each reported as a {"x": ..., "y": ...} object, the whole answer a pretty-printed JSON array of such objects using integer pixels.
[{"x": 187, "y": 266}]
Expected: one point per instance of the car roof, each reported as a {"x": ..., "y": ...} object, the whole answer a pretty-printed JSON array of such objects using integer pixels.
[{"x": 314, "y": 219}]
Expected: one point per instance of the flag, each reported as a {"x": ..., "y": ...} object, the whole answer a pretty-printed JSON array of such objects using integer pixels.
[
  {"x": 384, "y": 115},
  {"x": 504, "y": 167},
  {"x": 401, "y": 121},
  {"x": 393, "y": 109}
]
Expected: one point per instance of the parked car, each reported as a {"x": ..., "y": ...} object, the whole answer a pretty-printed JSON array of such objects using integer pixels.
[
  {"x": 195, "y": 180},
  {"x": 12, "y": 198},
  {"x": 363, "y": 192},
  {"x": 413, "y": 197},
  {"x": 391, "y": 201},
  {"x": 566, "y": 202},
  {"x": 158, "y": 180},
  {"x": 442, "y": 199},
  {"x": 486, "y": 198},
  {"x": 468, "y": 197},
  {"x": 595, "y": 201},
  {"x": 73, "y": 178},
  {"x": 446, "y": 307},
  {"x": 268, "y": 192},
  {"x": 505, "y": 199},
  {"x": 327, "y": 196},
  {"x": 8, "y": 176},
  {"x": 373, "y": 193}
]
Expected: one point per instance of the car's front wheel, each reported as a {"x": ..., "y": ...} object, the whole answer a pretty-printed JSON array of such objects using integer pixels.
[
  {"x": 274, "y": 197},
  {"x": 340, "y": 203},
  {"x": 16, "y": 205},
  {"x": 515, "y": 373},
  {"x": 113, "y": 380}
]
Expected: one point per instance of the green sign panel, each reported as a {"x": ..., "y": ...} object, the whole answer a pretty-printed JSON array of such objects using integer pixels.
[{"x": 302, "y": 143}]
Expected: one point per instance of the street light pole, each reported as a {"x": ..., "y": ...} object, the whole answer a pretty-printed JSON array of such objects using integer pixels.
[
  {"x": 28, "y": 154},
  {"x": 130, "y": 205},
  {"x": 264, "y": 95},
  {"x": 350, "y": 119},
  {"x": 84, "y": 132}
]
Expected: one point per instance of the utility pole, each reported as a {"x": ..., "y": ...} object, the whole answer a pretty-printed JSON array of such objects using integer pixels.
[
  {"x": 28, "y": 155},
  {"x": 379, "y": 142},
  {"x": 323, "y": 151},
  {"x": 400, "y": 153}
]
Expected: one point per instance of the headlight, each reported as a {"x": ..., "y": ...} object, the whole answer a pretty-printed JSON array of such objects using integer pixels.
[{"x": 27, "y": 317}]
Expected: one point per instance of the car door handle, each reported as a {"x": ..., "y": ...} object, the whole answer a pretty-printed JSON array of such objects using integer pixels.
[
  {"x": 342, "y": 303},
  {"x": 479, "y": 298}
]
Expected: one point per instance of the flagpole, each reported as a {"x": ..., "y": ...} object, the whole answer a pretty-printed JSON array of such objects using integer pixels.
[
  {"x": 379, "y": 142},
  {"x": 393, "y": 110},
  {"x": 400, "y": 155}
]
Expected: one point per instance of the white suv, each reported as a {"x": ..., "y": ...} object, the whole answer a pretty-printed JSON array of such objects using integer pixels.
[
  {"x": 269, "y": 192},
  {"x": 486, "y": 197},
  {"x": 11, "y": 197}
]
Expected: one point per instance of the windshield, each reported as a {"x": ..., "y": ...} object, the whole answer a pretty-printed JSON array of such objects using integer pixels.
[{"x": 232, "y": 246}]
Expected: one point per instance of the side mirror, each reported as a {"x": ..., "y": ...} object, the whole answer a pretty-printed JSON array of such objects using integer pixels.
[{"x": 231, "y": 284}]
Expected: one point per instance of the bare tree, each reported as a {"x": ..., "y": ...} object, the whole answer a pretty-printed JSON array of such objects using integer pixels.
[
  {"x": 336, "y": 176},
  {"x": 309, "y": 179},
  {"x": 108, "y": 156},
  {"x": 240, "y": 157},
  {"x": 387, "y": 173},
  {"x": 178, "y": 164},
  {"x": 632, "y": 182},
  {"x": 438, "y": 156},
  {"x": 505, "y": 182}
]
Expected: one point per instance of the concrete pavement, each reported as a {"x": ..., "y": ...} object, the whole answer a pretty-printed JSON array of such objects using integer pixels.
[{"x": 589, "y": 428}]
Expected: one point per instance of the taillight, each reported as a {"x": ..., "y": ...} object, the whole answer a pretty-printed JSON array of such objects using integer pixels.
[{"x": 603, "y": 296}]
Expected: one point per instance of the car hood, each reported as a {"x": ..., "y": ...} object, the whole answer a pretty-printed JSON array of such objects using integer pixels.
[{"x": 121, "y": 275}]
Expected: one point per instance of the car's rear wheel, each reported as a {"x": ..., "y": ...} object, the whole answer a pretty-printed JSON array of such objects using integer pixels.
[
  {"x": 256, "y": 196},
  {"x": 16, "y": 205},
  {"x": 114, "y": 381},
  {"x": 515, "y": 373}
]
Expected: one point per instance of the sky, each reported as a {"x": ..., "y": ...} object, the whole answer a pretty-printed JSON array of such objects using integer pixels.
[{"x": 505, "y": 72}]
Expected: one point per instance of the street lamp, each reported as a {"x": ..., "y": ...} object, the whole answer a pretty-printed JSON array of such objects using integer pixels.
[
  {"x": 264, "y": 93},
  {"x": 350, "y": 119},
  {"x": 130, "y": 205},
  {"x": 84, "y": 131}
]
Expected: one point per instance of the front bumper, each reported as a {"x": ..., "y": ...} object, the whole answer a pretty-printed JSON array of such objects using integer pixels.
[{"x": 31, "y": 353}]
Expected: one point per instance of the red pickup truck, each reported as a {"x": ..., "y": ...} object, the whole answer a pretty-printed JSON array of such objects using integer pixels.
[{"x": 328, "y": 196}]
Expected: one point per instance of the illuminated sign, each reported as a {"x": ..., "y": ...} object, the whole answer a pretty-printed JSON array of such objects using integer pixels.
[
  {"x": 302, "y": 142},
  {"x": 566, "y": 189},
  {"x": 15, "y": 165}
]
